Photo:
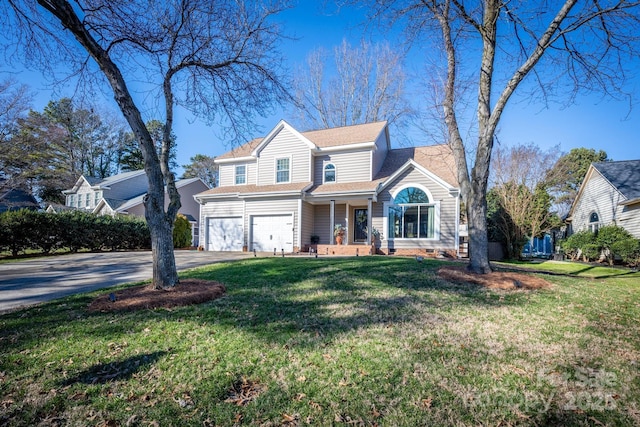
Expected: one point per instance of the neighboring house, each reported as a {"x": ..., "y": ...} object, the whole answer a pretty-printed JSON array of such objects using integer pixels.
[
  {"x": 16, "y": 199},
  {"x": 277, "y": 192},
  {"x": 124, "y": 194},
  {"x": 609, "y": 194}
]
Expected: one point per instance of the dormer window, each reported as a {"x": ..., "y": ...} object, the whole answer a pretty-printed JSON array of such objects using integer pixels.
[
  {"x": 329, "y": 173},
  {"x": 241, "y": 174}
]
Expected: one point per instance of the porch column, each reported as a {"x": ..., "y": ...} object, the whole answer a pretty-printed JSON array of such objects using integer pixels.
[
  {"x": 346, "y": 222},
  {"x": 332, "y": 220},
  {"x": 369, "y": 214}
]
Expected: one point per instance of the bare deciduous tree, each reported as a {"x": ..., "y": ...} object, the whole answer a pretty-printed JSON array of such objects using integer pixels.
[
  {"x": 497, "y": 47},
  {"x": 519, "y": 181},
  {"x": 217, "y": 59},
  {"x": 368, "y": 86},
  {"x": 15, "y": 101}
]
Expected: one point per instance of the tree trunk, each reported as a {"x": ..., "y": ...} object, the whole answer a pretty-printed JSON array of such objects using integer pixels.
[
  {"x": 160, "y": 224},
  {"x": 478, "y": 238},
  {"x": 165, "y": 274}
]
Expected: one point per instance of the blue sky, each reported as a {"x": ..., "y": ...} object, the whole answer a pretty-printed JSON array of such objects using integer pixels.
[{"x": 592, "y": 122}]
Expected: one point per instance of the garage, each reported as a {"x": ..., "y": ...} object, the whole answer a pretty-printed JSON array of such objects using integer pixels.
[
  {"x": 272, "y": 231},
  {"x": 224, "y": 234}
]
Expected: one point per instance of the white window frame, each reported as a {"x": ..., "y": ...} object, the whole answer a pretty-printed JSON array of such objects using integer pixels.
[
  {"x": 324, "y": 174},
  {"x": 436, "y": 211},
  {"x": 87, "y": 200},
  {"x": 72, "y": 200},
  {"x": 593, "y": 225},
  {"x": 96, "y": 198},
  {"x": 236, "y": 175},
  {"x": 288, "y": 170}
]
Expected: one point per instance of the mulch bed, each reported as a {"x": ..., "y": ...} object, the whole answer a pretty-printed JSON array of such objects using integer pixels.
[
  {"x": 494, "y": 280},
  {"x": 188, "y": 292}
]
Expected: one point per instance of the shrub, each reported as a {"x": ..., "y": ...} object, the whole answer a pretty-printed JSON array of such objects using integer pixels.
[
  {"x": 628, "y": 250},
  {"x": 607, "y": 238},
  {"x": 575, "y": 245},
  {"x": 181, "y": 232}
]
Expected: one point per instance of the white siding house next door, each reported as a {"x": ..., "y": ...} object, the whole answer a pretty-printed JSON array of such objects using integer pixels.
[
  {"x": 224, "y": 234},
  {"x": 272, "y": 231}
]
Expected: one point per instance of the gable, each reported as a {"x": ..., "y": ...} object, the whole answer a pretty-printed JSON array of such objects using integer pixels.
[
  {"x": 280, "y": 132},
  {"x": 594, "y": 186},
  {"x": 435, "y": 162},
  {"x": 624, "y": 176}
]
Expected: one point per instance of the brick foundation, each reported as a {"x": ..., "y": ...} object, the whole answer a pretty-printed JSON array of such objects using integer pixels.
[
  {"x": 346, "y": 250},
  {"x": 427, "y": 253}
]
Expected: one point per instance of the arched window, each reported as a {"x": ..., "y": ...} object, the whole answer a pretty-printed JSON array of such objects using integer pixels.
[
  {"x": 329, "y": 173},
  {"x": 413, "y": 215},
  {"x": 594, "y": 217}
]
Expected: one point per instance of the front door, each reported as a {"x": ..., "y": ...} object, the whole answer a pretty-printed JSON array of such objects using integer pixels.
[{"x": 360, "y": 229}]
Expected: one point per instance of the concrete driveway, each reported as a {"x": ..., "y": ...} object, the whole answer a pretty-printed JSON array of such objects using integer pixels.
[{"x": 28, "y": 282}]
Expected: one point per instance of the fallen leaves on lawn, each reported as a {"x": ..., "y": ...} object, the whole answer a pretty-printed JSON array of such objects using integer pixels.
[{"x": 244, "y": 391}]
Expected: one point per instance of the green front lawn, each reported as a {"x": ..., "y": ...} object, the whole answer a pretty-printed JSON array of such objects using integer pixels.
[
  {"x": 576, "y": 269},
  {"x": 332, "y": 341}
]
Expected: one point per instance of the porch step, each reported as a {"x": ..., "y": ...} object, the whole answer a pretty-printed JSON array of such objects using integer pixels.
[{"x": 347, "y": 250}]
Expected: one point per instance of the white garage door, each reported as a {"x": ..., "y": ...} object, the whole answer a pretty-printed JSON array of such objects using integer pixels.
[
  {"x": 274, "y": 231},
  {"x": 225, "y": 234}
]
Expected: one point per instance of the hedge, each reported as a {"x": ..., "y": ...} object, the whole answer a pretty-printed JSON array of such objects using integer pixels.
[{"x": 72, "y": 230}]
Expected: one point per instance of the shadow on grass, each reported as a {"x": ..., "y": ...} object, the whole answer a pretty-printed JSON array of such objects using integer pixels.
[
  {"x": 114, "y": 371},
  {"x": 581, "y": 273},
  {"x": 275, "y": 298}
]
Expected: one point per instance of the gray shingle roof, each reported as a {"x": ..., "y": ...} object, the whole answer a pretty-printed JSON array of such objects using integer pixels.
[{"x": 624, "y": 175}]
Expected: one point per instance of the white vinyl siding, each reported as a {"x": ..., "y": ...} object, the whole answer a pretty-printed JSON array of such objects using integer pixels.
[
  {"x": 284, "y": 145},
  {"x": 599, "y": 196},
  {"x": 379, "y": 154},
  {"x": 227, "y": 173},
  {"x": 351, "y": 167},
  {"x": 308, "y": 220},
  {"x": 630, "y": 219},
  {"x": 322, "y": 221}
]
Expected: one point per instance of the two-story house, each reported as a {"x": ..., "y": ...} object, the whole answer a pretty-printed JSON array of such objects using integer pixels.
[
  {"x": 124, "y": 194},
  {"x": 609, "y": 194},
  {"x": 277, "y": 192}
]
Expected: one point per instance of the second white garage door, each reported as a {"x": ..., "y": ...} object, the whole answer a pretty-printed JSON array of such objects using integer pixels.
[{"x": 272, "y": 231}]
